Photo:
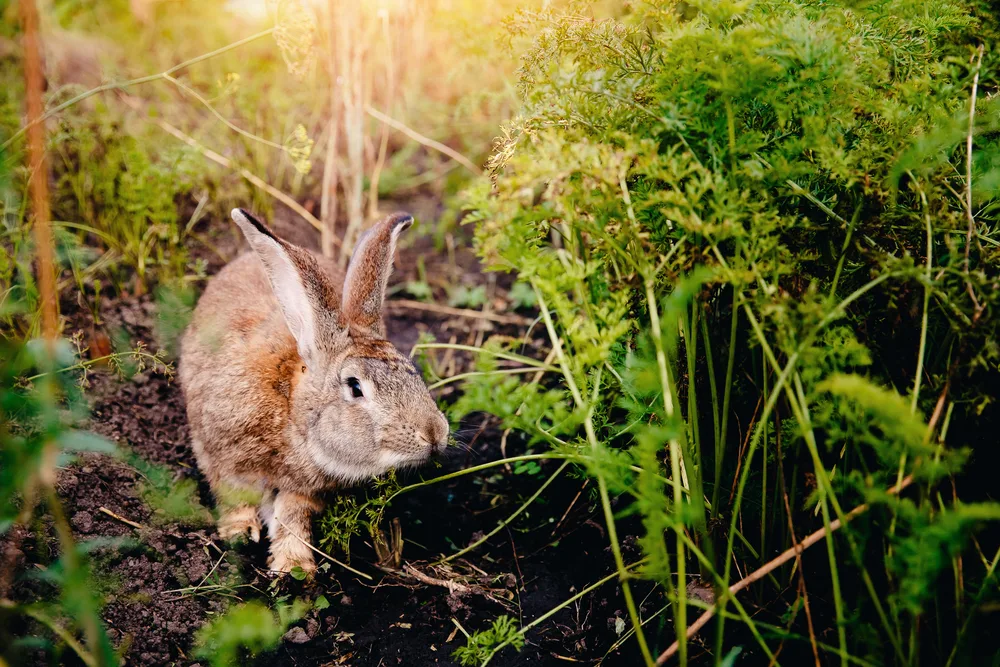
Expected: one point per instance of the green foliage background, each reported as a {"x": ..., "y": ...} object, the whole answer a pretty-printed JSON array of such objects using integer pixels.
[
  {"x": 735, "y": 204},
  {"x": 766, "y": 263}
]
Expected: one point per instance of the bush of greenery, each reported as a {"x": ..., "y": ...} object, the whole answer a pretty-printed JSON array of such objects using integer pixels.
[{"x": 763, "y": 240}]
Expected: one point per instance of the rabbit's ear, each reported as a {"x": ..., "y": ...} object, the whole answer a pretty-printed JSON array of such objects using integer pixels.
[
  {"x": 293, "y": 275},
  {"x": 368, "y": 273}
]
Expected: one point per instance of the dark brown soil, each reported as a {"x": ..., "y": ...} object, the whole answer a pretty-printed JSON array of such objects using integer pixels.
[{"x": 552, "y": 551}]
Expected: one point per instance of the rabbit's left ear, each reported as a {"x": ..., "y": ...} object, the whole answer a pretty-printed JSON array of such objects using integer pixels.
[{"x": 368, "y": 274}]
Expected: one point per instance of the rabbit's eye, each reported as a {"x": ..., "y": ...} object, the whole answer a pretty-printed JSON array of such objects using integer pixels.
[{"x": 355, "y": 386}]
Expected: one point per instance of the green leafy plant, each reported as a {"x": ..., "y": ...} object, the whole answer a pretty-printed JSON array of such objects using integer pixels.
[
  {"x": 37, "y": 433},
  {"x": 728, "y": 214},
  {"x": 172, "y": 500},
  {"x": 246, "y": 629},
  {"x": 481, "y": 645}
]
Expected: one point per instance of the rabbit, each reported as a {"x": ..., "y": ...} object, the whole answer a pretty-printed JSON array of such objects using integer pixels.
[{"x": 292, "y": 389}]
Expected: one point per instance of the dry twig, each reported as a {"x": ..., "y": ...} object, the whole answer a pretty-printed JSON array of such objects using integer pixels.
[
  {"x": 119, "y": 517},
  {"x": 769, "y": 567}
]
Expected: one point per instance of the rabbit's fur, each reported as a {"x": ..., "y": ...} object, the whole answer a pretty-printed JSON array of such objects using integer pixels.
[{"x": 279, "y": 346}]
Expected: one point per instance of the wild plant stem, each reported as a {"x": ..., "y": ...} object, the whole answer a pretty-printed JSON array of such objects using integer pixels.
[
  {"x": 562, "y": 605},
  {"x": 823, "y": 480},
  {"x": 713, "y": 390},
  {"x": 601, "y": 482},
  {"x": 843, "y": 252},
  {"x": 987, "y": 579},
  {"x": 968, "y": 179},
  {"x": 508, "y": 356},
  {"x": 720, "y": 444},
  {"x": 772, "y": 565},
  {"x": 506, "y": 522},
  {"x": 928, "y": 277},
  {"x": 500, "y": 371},
  {"x": 677, "y": 468},
  {"x": 122, "y": 85},
  {"x": 473, "y": 469},
  {"x": 425, "y": 141},
  {"x": 820, "y": 471},
  {"x": 805, "y": 424},
  {"x": 184, "y": 88}
]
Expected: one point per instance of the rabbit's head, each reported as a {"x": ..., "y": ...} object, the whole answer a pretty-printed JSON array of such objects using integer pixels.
[{"x": 359, "y": 405}]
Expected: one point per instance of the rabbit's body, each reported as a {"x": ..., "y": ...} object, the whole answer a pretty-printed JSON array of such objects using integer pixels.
[
  {"x": 241, "y": 441},
  {"x": 292, "y": 389}
]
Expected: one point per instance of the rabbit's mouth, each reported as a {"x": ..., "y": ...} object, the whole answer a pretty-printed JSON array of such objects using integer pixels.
[
  {"x": 434, "y": 448},
  {"x": 391, "y": 458}
]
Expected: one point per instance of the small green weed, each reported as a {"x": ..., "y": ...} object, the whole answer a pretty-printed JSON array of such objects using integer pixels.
[
  {"x": 247, "y": 629},
  {"x": 481, "y": 645}
]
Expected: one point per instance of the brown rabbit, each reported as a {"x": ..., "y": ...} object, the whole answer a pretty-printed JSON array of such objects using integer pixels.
[{"x": 292, "y": 388}]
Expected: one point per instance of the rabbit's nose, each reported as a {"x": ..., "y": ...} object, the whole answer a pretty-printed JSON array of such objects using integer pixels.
[{"x": 437, "y": 433}]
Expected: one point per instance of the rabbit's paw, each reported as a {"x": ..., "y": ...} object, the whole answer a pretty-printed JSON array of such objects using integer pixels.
[
  {"x": 284, "y": 560},
  {"x": 240, "y": 521}
]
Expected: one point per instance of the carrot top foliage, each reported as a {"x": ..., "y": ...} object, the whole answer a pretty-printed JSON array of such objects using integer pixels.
[{"x": 768, "y": 263}]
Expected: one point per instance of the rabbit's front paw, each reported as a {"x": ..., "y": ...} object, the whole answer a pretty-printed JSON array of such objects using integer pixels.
[
  {"x": 284, "y": 560},
  {"x": 240, "y": 521}
]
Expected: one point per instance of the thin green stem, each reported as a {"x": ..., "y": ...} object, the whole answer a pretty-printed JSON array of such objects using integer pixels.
[
  {"x": 601, "y": 482},
  {"x": 727, "y": 386},
  {"x": 473, "y": 469},
  {"x": 506, "y": 522},
  {"x": 928, "y": 276},
  {"x": 987, "y": 580},
  {"x": 500, "y": 371},
  {"x": 509, "y": 356},
  {"x": 562, "y": 605},
  {"x": 677, "y": 469},
  {"x": 122, "y": 85},
  {"x": 843, "y": 251},
  {"x": 225, "y": 121},
  {"x": 805, "y": 424}
]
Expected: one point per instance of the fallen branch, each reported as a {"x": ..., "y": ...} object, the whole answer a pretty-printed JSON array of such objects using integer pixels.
[{"x": 769, "y": 567}]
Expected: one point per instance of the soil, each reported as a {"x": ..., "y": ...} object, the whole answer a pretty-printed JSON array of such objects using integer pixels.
[{"x": 163, "y": 581}]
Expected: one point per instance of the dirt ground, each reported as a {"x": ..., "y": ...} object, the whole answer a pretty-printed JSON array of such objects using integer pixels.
[{"x": 164, "y": 581}]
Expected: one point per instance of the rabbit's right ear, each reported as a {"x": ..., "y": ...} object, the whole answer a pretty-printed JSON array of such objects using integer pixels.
[
  {"x": 368, "y": 273},
  {"x": 294, "y": 278}
]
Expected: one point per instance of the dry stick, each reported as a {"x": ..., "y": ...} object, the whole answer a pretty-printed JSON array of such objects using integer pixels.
[
  {"x": 390, "y": 87},
  {"x": 772, "y": 565},
  {"x": 743, "y": 449},
  {"x": 350, "y": 99},
  {"x": 328, "y": 199},
  {"x": 459, "y": 312},
  {"x": 228, "y": 164},
  {"x": 452, "y": 586},
  {"x": 426, "y": 141},
  {"x": 119, "y": 517},
  {"x": 38, "y": 166},
  {"x": 39, "y": 184},
  {"x": 968, "y": 182}
]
